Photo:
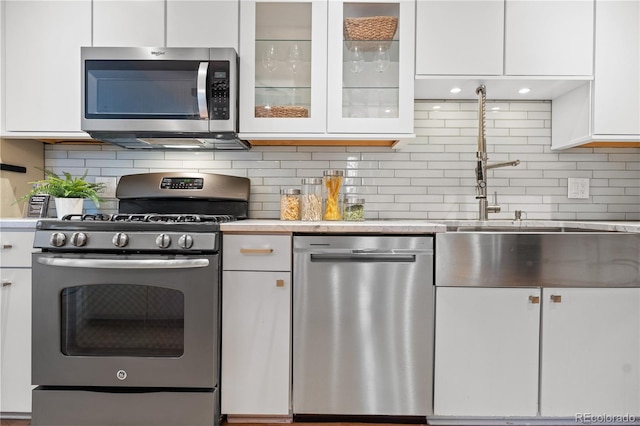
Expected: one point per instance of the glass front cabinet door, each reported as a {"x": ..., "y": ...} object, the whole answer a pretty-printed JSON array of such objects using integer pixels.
[
  {"x": 371, "y": 56},
  {"x": 327, "y": 69},
  {"x": 283, "y": 66}
]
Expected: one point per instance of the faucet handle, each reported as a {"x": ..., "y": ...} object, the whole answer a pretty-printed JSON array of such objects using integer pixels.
[{"x": 495, "y": 208}]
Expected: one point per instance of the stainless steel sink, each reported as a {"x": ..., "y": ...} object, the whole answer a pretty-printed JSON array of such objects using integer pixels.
[
  {"x": 489, "y": 256},
  {"x": 515, "y": 228}
]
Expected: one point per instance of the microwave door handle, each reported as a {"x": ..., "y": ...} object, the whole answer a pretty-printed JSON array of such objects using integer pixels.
[{"x": 201, "y": 91}]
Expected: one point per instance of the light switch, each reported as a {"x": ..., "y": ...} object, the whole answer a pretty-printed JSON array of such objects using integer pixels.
[
  {"x": 109, "y": 186},
  {"x": 578, "y": 188}
]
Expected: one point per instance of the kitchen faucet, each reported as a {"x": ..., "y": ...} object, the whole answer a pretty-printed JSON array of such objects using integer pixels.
[{"x": 481, "y": 169}]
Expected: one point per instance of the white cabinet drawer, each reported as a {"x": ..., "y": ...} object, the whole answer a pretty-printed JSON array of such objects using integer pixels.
[
  {"x": 256, "y": 252},
  {"x": 16, "y": 248}
]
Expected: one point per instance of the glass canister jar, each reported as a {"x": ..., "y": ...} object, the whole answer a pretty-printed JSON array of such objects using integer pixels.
[
  {"x": 290, "y": 204},
  {"x": 332, "y": 180},
  {"x": 311, "y": 199},
  {"x": 353, "y": 209}
]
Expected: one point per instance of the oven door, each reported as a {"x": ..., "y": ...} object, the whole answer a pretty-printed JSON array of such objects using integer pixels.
[{"x": 125, "y": 320}]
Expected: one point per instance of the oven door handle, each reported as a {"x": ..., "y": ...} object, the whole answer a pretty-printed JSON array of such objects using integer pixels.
[{"x": 125, "y": 264}]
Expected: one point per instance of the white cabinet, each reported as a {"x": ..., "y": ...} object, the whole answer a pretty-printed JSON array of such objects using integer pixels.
[
  {"x": 549, "y": 37},
  {"x": 590, "y": 351},
  {"x": 41, "y": 55},
  {"x": 449, "y": 42},
  {"x": 128, "y": 23},
  {"x": 15, "y": 322},
  {"x": 303, "y": 78},
  {"x": 490, "y": 342},
  {"x": 607, "y": 109},
  {"x": 544, "y": 45},
  {"x": 256, "y": 325},
  {"x": 42, "y": 66},
  {"x": 202, "y": 23},
  {"x": 170, "y": 23},
  {"x": 486, "y": 351}
]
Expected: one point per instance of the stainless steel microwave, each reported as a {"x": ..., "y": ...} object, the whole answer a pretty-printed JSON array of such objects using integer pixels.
[{"x": 151, "y": 97}]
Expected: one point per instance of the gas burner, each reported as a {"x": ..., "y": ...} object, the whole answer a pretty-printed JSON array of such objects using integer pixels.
[
  {"x": 126, "y": 217},
  {"x": 171, "y": 218},
  {"x": 99, "y": 217}
]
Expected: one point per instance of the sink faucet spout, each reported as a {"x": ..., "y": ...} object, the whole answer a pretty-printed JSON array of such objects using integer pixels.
[{"x": 481, "y": 157}]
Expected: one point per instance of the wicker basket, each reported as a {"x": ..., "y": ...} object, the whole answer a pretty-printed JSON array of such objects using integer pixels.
[
  {"x": 282, "y": 111},
  {"x": 370, "y": 28}
]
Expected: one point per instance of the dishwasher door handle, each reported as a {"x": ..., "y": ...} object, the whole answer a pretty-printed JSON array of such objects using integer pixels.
[{"x": 362, "y": 257}]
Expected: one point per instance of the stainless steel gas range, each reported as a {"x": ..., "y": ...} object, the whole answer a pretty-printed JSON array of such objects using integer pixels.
[{"x": 126, "y": 308}]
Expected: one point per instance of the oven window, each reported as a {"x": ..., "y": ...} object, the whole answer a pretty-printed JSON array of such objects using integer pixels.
[{"x": 122, "y": 320}]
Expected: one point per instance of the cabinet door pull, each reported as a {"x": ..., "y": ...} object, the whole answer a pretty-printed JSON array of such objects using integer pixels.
[
  {"x": 279, "y": 283},
  {"x": 555, "y": 298},
  {"x": 256, "y": 251},
  {"x": 6, "y": 283},
  {"x": 534, "y": 299},
  {"x": 7, "y": 246}
]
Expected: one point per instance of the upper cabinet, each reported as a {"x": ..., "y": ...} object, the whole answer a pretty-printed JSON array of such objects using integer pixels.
[
  {"x": 128, "y": 23},
  {"x": 198, "y": 23},
  {"x": 607, "y": 110},
  {"x": 544, "y": 45},
  {"x": 548, "y": 37},
  {"x": 170, "y": 23},
  {"x": 449, "y": 42},
  {"x": 324, "y": 69},
  {"x": 43, "y": 101},
  {"x": 42, "y": 66}
]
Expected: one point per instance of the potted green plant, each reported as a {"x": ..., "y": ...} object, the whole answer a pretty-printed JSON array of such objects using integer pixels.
[{"x": 68, "y": 192}]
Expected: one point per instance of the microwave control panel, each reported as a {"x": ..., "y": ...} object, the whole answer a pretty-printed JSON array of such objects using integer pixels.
[{"x": 219, "y": 106}]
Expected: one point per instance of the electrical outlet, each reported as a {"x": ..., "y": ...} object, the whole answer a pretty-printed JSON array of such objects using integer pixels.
[
  {"x": 109, "y": 190},
  {"x": 578, "y": 188}
]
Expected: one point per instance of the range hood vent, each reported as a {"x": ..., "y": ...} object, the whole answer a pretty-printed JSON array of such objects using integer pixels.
[{"x": 225, "y": 141}]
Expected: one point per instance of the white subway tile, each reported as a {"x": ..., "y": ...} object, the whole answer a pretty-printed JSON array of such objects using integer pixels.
[{"x": 432, "y": 176}]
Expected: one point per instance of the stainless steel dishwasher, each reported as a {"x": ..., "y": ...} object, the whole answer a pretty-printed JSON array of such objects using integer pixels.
[{"x": 363, "y": 325}]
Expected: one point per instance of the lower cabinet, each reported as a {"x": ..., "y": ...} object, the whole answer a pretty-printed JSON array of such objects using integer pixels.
[
  {"x": 15, "y": 323},
  {"x": 497, "y": 349},
  {"x": 486, "y": 351},
  {"x": 590, "y": 351},
  {"x": 256, "y": 325}
]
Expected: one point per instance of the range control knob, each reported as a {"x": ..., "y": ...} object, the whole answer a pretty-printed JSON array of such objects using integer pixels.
[
  {"x": 185, "y": 241},
  {"x": 58, "y": 239},
  {"x": 163, "y": 240},
  {"x": 120, "y": 239},
  {"x": 79, "y": 239}
]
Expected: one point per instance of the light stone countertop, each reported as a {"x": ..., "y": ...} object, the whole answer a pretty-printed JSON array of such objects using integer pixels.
[
  {"x": 14, "y": 223},
  {"x": 414, "y": 226},
  {"x": 339, "y": 226},
  {"x": 378, "y": 226}
]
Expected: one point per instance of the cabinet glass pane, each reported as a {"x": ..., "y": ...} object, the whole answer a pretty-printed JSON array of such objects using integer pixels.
[
  {"x": 283, "y": 60},
  {"x": 370, "y": 78}
]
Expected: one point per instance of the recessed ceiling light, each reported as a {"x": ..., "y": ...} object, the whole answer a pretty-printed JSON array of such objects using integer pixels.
[
  {"x": 436, "y": 107},
  {"x": 495, "y": 108},
  {"x": 524, "y": 90},
  {"x": 456, "y": 90}
]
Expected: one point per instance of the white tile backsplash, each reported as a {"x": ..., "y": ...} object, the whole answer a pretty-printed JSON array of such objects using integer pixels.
[{"x": 430, "y": 178}]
